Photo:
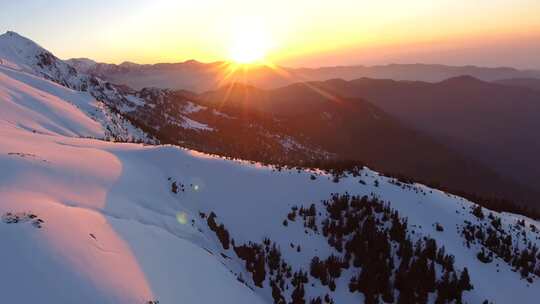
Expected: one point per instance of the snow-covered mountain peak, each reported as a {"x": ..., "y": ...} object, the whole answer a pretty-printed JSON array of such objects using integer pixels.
[
  {"x": 17, "y": 39},
  {"x": 57, "y": 85},
  {"x": 24, "y": 55},
  {"x": 14, "y": 36},
  {"x": 20, "y": 53}
]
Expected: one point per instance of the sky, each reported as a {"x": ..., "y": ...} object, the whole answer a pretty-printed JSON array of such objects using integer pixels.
[{"x": 294, "y": 33}]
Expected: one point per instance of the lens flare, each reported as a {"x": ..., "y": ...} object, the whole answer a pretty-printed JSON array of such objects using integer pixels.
[
  {"x": 182, "y": 218},
  {"x": 197, "y": 184}
]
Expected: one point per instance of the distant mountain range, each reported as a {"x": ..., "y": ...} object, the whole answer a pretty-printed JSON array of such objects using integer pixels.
[
  {"x": 451, "y": 121},
  {"x": 199, "y": 77},
  {"x": 494, "y": 124},
  {"x": 531, "y": 83}
]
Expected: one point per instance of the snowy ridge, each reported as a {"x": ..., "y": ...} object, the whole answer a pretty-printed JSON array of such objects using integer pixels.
[
  {"x": 20, "y": 56},
  {"x": 194, "y": 125},
  {"x": 36, "y": 104},
  {"x": 25, "y": 55}
]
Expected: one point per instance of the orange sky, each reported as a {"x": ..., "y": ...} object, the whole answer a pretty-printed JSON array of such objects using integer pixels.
[{"x": 299, "y": 32}]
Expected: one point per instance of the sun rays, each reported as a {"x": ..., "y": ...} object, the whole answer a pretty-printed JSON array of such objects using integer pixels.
[
  {"x": 250, "y": 51},
  {"x": 238, "y": 83}
]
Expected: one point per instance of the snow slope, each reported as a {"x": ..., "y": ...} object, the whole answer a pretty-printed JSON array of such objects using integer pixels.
[
  {"x": 48, "y": 96},
  {"x": 91, "y": 221},
  {"x": 30, "y": 108},
  {"x": 40, "y": 105},
  {"x": 96, "y": 244},
  {"x": 114, "y": 232},
  {"x": 99, "y": 99},
  {"x": 23, "y": 54}
]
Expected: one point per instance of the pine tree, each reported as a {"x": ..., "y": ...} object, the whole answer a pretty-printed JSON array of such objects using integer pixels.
[
  {"x": 297, "y": 295},
  {"x": 464, "y": 280},
  {"x": 477, "y": 211},
  {"x": 276, "y": 294},
  {"x": 431, "y": 280}
]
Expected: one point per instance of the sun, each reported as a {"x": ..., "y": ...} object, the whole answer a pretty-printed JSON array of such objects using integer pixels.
[{"x": 249, "y": 45}]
